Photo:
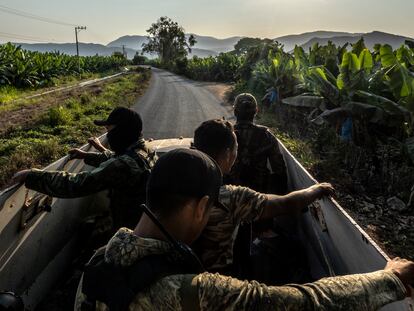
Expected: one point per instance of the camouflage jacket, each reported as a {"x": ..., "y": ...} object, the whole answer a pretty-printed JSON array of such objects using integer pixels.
[
  {"x": 258, "y": 147},
  {"x": 121, "y": 174},
  {"x": 360, "y": 292},
  {"x": 215, "y": 246}
]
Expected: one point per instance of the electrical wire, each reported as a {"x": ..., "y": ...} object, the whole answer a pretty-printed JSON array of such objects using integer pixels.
[
  {"x": 33, "y": 16},
  {"x": 24, "y": 37}
]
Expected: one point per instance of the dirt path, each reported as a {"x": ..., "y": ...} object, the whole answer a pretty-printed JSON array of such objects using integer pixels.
[{"x": 174, "y": 106}]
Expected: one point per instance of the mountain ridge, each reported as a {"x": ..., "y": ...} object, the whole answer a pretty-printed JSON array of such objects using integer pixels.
[{"x": 211, "y": 46}]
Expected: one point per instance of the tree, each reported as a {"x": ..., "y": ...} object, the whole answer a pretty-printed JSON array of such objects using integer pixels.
[
  {"x": 118, "y": 54},
  {"x": 167, "y": 39},
  {"x": 244, "y": 44},
  {"x": 139, "y": 59}
]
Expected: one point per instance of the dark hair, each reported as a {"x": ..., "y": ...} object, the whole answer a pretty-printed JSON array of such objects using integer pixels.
[
  {"x": 244, "y": 115},
  {"x": 213, "y": 137},
  {"x": 179, "y": 176},
  {"x": 164, "y": 205}
]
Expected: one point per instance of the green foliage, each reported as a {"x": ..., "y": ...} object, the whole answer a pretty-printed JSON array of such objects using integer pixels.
[
  {"x": 57, "y": 116},
  {"x": 21, "y": 68},
  {"x": 278, "y": 71},
  {"x": 118, "y": 54},
  {"x": 221, "y": 68},
  {"x": 244, "y": 44},
  {"x": 139, "y": 59},
  {"x": 64, "y": 127}
]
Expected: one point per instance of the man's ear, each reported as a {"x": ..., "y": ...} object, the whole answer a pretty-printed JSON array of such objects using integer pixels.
[
  {"x": 228, "y": 155},
  {"x": 201, "y": 208}
]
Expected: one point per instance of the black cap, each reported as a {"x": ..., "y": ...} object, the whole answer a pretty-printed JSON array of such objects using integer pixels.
[
  {"x": 186, "y": 172},
  {"x": 10, "y": 302},
  {"x": 122, "y": 116}
]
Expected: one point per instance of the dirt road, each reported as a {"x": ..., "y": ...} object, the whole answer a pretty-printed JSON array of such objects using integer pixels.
[{"x": 174, "y": 106}]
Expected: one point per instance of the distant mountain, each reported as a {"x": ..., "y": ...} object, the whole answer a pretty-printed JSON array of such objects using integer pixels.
[
  {"x": 210, "y": 46},
  {"x": 290, "y": 41},
  {"x": 214, "y": 44},
  {"x": 205, "y": 45},
  {"x": 91, "y": 49},
  {"x": 85, "y": 49},
  {"x": 370, "y": 39},
  {"x": 132, "y": 42}
]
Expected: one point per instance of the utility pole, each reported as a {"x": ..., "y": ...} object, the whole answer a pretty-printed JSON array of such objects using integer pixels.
[
  {"x": 77, "y": 30},
  {"x": 123, "y": 51}
]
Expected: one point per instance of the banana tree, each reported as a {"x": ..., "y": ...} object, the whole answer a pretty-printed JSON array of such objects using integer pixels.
[
  {"x": 398, "y": 77},
  {"x": 279, "y": 72},
  {"x": 335, "y": 99}
]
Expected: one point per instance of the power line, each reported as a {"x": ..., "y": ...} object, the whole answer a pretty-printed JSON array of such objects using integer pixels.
[
  {"x": 24, "y": 37},
  {"x": 33, "y": 16}
]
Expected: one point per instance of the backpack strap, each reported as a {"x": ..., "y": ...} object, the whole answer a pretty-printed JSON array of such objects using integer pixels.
[
  {"x": 117, "y": 286},
  {"x": 189, "y": 294}
]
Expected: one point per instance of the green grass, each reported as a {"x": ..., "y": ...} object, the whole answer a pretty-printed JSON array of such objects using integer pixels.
[
  {"x": 9, "y": 94},
  {"x": 65, "y": 126},
  {"x": 301, "y": 149}
]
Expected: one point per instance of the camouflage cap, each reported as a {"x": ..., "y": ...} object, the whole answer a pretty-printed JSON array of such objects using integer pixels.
[{"x": 245, "y": 102}]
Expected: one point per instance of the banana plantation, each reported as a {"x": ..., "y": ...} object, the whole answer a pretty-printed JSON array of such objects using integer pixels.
[
  {"x": 20, "y": 68},
  {"x": 335, "y": 84}
]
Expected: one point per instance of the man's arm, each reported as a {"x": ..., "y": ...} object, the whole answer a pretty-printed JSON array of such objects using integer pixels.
[
  {"x": 91, "y": 158},
  {"x": 295, "y": 201},
  {"x": 97, "y": 158},
  {"x": 70, "y": 185},
  {"x": 358, "y": 292}
]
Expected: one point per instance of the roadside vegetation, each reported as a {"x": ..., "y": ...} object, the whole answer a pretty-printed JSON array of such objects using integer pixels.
[
  {"x": 59, "y": 122},
  {"x": 26, "y": 69}
]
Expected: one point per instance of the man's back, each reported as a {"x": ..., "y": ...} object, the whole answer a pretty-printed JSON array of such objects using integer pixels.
[
  {"x": 208, "y": 291},
  {"x": 259, "y": 165},
  {"x": 123, "y": 175}
]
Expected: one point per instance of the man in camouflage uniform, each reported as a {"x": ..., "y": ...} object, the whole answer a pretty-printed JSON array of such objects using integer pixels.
[
  {"x": 124, "y": 170},
  {"x": 258, "y": 147},
  {"x": 181, "y": 190},
  {"x": 242, "y": 205}
]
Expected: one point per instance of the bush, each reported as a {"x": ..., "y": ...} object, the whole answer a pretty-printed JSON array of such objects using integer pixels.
[
  {"x": 139, "y": 59},
  {"x": 57, "y": 116}
]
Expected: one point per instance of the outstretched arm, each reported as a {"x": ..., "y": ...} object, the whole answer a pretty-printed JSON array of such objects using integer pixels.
[
  {"x": 70, "y": 185},
  {"x": 295, "y": 201},
  {"x": 358, "y": 292}
]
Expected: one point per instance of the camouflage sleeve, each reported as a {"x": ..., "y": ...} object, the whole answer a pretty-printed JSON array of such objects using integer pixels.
[
  {"x": 97, "y": 158},
  {"x": 364, "y": 292},
  {"x": 277, "y": 163},
  {"x": 70, "y": 185},
  {"x": 244, "y": 204}
]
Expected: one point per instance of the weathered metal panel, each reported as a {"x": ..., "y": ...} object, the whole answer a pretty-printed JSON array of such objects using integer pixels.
[{"x": 31, "y": 259}]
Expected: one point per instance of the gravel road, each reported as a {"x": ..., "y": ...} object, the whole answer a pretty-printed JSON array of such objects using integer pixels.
[{"x": 174, "y": 106}]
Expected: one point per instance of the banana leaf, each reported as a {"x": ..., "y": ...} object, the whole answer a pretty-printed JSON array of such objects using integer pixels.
[
  {"x": 384, "y": 103},
  {"x": 304, "y": 101},
  {"x": 355, "y": 110}
]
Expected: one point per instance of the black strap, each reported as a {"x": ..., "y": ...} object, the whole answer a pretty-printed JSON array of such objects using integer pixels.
[
  {"x": 118, "y": 286},
  {"x": 189, "y": 294}
]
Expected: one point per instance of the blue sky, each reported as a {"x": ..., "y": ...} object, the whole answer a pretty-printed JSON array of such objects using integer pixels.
[{"x": 109, "y": 19}]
